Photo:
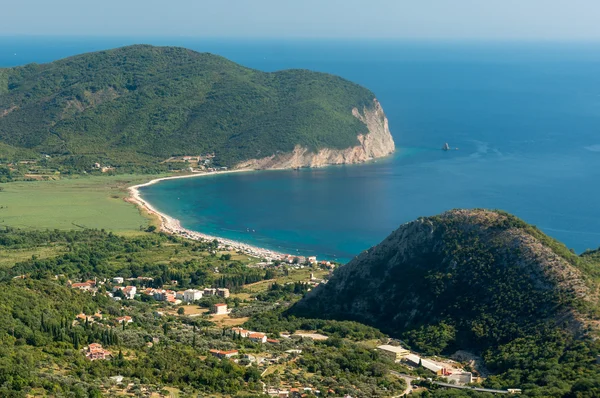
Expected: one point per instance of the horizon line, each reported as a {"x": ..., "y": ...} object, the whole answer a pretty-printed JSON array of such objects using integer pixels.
[{"x": 313, "y": 38}]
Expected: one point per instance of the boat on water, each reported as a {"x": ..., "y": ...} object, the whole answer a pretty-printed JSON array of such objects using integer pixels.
[{"x": 446, "y": 147}]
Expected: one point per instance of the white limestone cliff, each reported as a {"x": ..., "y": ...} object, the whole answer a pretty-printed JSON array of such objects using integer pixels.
[{"x": 377, "y": 142}]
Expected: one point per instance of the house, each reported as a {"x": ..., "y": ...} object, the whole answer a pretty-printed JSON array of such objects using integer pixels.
[
  {"x": 395, "y": 353},
  {"x": 223, "y": 293},
  {"x": 276, "y": 392},
  {"x": 272, "y": 341},
  {"x": 295, "y": 393},
  {"x": 119, "y": 280},
  {"x": 241, "y": 332},
  {"x": 95, "y": 351},
  {"x": 142, "y": 279},
  {"x": 210, "y": 291},
  {"x": 223, "y": 354},
  {"x": 219, "y": 309},
  {"x": 180, "y": 295},
  {"x": 163, "y": 295},
  {"x": 126, "y": 319},
  {"x": 87, "y": 285},
  {"x": 191, "y": 295},
  {"x": 81, "y": 317},
  {"x": 129, "y": 292},
  {"x": 257, "y": 337}
]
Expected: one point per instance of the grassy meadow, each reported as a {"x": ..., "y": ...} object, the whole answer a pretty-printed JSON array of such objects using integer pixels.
[{"x": 85, "y": 202}]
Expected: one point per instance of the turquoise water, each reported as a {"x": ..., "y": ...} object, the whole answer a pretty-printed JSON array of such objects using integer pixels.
[{"x": 526, "y": 118}]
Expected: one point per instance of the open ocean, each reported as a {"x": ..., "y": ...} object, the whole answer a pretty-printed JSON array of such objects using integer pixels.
[{"x": 526, "y": 117}]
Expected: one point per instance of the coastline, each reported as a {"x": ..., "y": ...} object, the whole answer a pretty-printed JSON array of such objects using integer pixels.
[{"x": 173, "y": 226}]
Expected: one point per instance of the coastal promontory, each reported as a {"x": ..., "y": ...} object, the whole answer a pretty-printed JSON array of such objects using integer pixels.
[{"x": 143, "y": 104}]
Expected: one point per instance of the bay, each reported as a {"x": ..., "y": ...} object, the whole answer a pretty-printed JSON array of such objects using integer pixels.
[{"x": 525, "y": 116}]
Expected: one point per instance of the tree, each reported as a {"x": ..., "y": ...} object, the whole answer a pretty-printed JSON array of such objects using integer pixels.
[{"x": 181, "y": 311}]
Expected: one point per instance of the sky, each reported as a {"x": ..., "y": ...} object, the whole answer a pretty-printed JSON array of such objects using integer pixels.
[{"x": 399, "y": 19}]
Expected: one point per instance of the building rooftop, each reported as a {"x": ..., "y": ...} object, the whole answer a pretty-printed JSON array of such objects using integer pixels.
[{"x": 391, "y": 348}]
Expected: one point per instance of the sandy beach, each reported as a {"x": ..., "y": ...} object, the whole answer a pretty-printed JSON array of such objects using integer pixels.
[{"x": 173, "y": 226}]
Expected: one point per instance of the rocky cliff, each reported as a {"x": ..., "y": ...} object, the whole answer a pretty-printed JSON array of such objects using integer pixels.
[{"x": 375, "y": 142}]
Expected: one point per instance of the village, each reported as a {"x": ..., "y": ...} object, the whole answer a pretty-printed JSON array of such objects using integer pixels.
[{"x": 270, "y": 353}]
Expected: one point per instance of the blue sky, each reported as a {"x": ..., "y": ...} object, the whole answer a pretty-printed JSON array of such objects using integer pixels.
[{"x": 421, "y": 19}]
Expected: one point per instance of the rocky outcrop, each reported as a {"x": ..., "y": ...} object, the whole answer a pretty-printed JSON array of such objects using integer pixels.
[
  {"x": 7, "y": 111},
  {"x": 377, "y": 142}
]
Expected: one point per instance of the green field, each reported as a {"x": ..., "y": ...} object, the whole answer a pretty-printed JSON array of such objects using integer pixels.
[{"x": 86, "y": 202}]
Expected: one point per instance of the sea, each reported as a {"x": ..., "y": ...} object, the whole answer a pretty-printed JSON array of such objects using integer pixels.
[{"x": 525, "y": 118}]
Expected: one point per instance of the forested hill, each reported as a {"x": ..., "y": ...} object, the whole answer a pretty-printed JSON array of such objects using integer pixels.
[
  {"x": 145, "y": 103},
  {"x": 480, "y": 281}
]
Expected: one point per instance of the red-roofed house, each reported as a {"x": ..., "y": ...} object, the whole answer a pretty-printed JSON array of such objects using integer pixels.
[
  {"x": 223, "y": 354},
  {"x": 95, "y": 351},
  {"x": 257, "y": 337},
  {"x": 126, "y": 319},
  {"x": 87, "y": 285},
  {"x": 81, "y": 317}
]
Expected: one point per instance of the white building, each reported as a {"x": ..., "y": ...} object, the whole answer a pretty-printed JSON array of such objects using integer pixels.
[
  {"x": 416, "y": 361},
  {"x": 118, "y": 280},
  {"x": 210, "y": 291},
  {"x": 191, "y": 295},
  {"x": 223, "y": 292},
  {"x": 219, "y": 309},
  {"x": 129, "y": 292}
]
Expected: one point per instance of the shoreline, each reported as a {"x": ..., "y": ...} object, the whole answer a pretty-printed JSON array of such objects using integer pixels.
[{"x": 173, "y": 226}]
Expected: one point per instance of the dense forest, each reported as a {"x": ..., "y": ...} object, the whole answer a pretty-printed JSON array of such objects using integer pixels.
[
  {"x": 480, "y": 281},
  {"x": 141, "y": 104}
]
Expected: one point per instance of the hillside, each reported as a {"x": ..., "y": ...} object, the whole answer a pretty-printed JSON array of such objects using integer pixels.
[
  {"x": 164, "y": 349},
  {"x": 144, "y": 104},
  {"x": 474, "y": 280}
]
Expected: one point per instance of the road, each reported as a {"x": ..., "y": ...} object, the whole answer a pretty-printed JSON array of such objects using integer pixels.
[{"x": 408, "y": 379}]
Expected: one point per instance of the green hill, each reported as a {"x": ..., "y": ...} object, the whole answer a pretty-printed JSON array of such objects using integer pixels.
[
  {"x": 144, "y": 104},
  {"x": 480, "y": 281}
]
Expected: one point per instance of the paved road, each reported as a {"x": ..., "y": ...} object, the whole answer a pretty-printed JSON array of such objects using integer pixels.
[{"x": 408, "y": 379}]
